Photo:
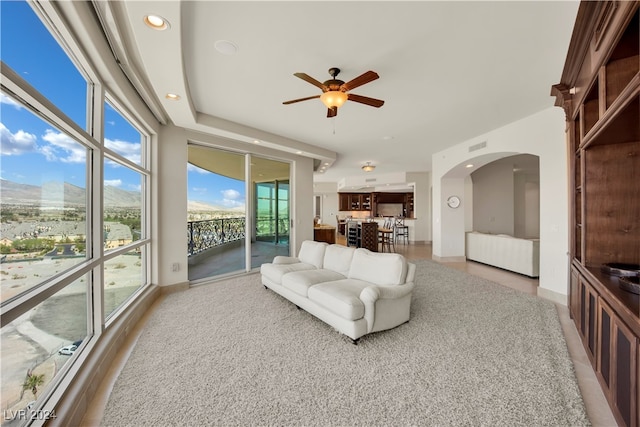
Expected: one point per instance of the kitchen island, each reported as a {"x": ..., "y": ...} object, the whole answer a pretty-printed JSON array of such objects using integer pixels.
[{"x": 324, "y": 233}]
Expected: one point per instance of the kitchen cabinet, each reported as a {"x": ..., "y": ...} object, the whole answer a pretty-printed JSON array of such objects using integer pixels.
[{"x": 354, "y": 201}]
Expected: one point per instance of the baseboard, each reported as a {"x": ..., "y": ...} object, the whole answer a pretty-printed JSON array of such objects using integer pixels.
[
  {"x": 420, "y": 242},
  {"x": 552, "y": 296},
  {"x": 176, "y": 287},
  {"x": 448, "y": 258}
]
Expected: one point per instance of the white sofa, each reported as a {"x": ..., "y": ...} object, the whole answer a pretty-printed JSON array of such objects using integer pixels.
[
  {"x": 354, "y": 290},
  {"x": 504, "y": 251}
]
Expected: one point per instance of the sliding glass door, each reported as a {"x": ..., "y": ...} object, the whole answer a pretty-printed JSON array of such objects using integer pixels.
[
  {"x": 238, "y": 211},
  {"x": 271, "y": 209}
]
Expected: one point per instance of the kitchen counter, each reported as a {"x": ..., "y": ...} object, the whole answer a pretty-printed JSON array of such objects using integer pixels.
[{"x": 324, "y": 233}]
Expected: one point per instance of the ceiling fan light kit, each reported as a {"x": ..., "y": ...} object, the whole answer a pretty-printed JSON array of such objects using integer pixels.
[
  {"x": 368, "y": 167},
  {"x": 333, "y": 98},
  {"x": 336, "y": 92}
]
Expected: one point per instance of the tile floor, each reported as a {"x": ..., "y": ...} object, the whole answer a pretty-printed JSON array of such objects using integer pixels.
[{"x": 597, "y": 408}]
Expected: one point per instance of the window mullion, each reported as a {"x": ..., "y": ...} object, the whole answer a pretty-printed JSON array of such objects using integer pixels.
[{"x": 96, "y": 204}]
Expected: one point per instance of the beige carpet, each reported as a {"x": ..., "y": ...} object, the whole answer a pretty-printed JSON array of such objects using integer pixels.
[{"x": 233, "y": 353}]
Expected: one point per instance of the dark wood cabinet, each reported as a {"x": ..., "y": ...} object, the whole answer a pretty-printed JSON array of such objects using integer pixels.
[
  {"x": 600, "y": 94},
  {"x": 588, "y": 319},
  {"x": 324, "y": 234},
  {"x": 617, "y": 367},
  {"x": 354, "y": 201},
  {"x": 363, "y": 235},
  {"x": 344, "y": 204},
  {"x": 369, "y": 202}
]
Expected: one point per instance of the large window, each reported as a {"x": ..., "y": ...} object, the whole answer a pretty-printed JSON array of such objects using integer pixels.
[
  {"x": 74, "y": 240},
  {"x": 30, "y": 50},
  {"x": 123, "y": 220},
  {"x": 43, "y": 225}
]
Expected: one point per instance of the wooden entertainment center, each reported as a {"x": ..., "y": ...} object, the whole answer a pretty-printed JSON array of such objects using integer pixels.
[{"x": 600, "y": 94}]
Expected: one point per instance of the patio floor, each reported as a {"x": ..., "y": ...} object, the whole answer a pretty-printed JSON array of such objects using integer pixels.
[{"x": 231, "y": 259}]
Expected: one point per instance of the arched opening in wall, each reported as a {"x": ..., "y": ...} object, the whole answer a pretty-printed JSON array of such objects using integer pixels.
[
  {"x": 506, "y": 197},
  {"x": 497, "y": 218}
]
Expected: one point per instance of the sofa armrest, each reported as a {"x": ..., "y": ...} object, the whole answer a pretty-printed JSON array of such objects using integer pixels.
[
  {"x": 371, "y": 294},
  {"x": 374, "y": 292},
  {"x": 281, "y": 259}
]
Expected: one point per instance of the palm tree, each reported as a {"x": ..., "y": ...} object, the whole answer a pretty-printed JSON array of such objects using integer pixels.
[{"x": 32, "y": 382}]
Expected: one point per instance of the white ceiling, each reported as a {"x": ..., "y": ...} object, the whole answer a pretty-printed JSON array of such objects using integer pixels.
[{"x": 449, "y": 71}]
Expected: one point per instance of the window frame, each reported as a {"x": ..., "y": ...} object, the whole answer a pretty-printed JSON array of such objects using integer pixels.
[{"x": 93, "y": 139}]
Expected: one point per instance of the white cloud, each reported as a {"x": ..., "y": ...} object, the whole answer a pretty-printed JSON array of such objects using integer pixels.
[
  {"x": 200, "y": 190},
  {"x": 16, "y": 143},
  {"x": 232, "y": 198},
  {"x": 113, "y": 182},
  {"x": 62, "y": 148},
  {"x": 231, "y": 194},
  {"x": 4, "y": 99},
  {"x": 128, "y": 150}
]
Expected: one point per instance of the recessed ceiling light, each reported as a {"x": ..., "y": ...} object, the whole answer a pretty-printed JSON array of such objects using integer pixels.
[
  {"x": 255, "y": 141},
  {"x": 298, "y": 152},
  {"x": 469, "y": 165},
  {"x": 226, "y": 47},
  {"x": 156, "y": 22},
  {"x": 172, "y": 96}
]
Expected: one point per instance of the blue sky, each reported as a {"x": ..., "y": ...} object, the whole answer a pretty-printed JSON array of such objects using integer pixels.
[{"x": 34, "y": 152}]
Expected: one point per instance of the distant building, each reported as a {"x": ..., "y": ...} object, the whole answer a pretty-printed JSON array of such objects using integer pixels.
[{"x": 116, "y": 235}]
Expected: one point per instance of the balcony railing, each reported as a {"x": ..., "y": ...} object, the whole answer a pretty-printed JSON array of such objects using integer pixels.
[{"x": 207, "y": 234}]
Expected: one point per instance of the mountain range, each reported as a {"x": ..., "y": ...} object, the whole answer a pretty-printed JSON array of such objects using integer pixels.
[
  {"x": 198, "y": 206},
  {"x": 59, "y": 194}
]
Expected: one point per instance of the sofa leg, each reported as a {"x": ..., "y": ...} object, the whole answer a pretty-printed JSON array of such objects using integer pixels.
[
  {"x": 298, "y": 308},
  {"x": 265, "y": 286},
  {"x": 354, "y": 342}
]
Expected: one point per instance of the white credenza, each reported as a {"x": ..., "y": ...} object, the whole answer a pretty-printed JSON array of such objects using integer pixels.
[{"x": 503, "y": 251}]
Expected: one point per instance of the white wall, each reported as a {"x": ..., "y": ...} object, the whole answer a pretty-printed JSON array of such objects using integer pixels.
[
  {"x": 541, "y": 134},
  {"x": 422, "y": 206},
  {"x": 328, "y": 192},
  {"x": 494, "y": 188},
  {"x": 171, "y": 198}
]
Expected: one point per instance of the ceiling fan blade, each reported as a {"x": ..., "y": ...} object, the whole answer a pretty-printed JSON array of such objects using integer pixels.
[
  {"x": 307, "y": 78},
  {"x": 359, "y": 81},
  {"x": 365, "y": 100},
  {"x": 301, "y": 99},
  {"x": 332, "y": 112}
]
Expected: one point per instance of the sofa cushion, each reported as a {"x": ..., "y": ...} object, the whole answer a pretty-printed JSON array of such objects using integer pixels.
[
  {"x": 274, "y": 272},
  {"x": 338, "y": 258},
  {"x": 383, "y": 269},
  {"x": 312, "y": 252},
  {"x": 340, "y": 297},
  {"x": 300, "y": 281}
]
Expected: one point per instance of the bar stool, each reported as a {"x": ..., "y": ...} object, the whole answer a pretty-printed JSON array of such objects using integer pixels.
[
  {"x": 386, "y": 236},
  {"x": 401, "y": 230}
]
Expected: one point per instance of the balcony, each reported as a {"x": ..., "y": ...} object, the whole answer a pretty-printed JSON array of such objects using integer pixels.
[{"x": 217, "y": 246}]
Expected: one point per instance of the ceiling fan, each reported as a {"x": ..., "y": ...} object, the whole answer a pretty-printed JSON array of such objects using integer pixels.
[{"x": 336, "y": 92}]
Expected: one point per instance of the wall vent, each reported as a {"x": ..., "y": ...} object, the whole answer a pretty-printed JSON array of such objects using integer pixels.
[
  {"x": 478, "y": 146},
  {"x": 371, "y": 180}
]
